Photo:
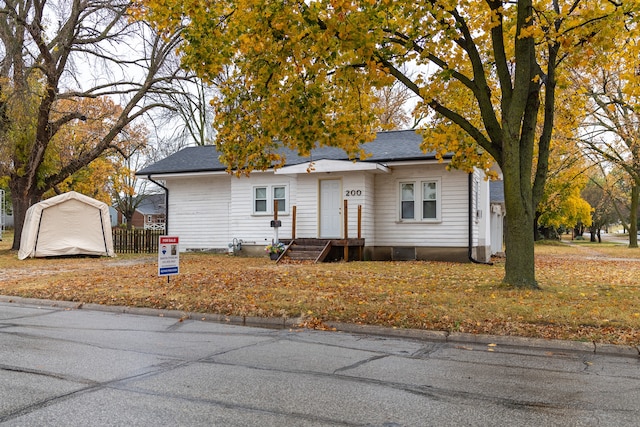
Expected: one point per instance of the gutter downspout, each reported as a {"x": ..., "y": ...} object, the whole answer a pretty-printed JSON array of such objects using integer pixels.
[
  {"x": 166, "y": 204},
  {"x": 470, "y": 252}
]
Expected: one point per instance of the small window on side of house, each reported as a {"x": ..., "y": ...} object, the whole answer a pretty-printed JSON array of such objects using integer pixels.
[
  {"x": 260, "y": 200},
  {"x": 265, "y": 196},
  {"x": 430, "y": 200},
  {"x": 407, "y": 200},
  {"x": 280, "y": 195},
  {"x": 420, "y": 201}
]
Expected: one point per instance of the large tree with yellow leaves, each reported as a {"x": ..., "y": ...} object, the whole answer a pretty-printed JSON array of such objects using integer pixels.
[
  {"x": 301, "y": 73},
  {"x": 54, "y": 56}
]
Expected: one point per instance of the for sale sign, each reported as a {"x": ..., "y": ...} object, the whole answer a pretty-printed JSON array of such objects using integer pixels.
[{"x": 168, "y": 256}]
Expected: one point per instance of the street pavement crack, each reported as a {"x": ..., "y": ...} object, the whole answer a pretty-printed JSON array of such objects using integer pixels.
[
  {"x": 70, "y": 378},
  {"x": 360, "y": 363},
  {"x": 92, "y": 386},
  {"x": 244, "y": 407}
]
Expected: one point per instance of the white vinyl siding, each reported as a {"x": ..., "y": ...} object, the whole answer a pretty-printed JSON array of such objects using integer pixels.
[
  {"x": 254, "y": 227},
  {"x": 368, "y": 210},
  {"x": 357, "y": 190},
  {"x": 210, "y": 211},
  {"x": 357, "y": 193},
  {"x": 450, "y": 230},
  {"x": 482, "y": 230},
  {"x": 307, "y": 204},
  {"x": 199, "y": 211}
]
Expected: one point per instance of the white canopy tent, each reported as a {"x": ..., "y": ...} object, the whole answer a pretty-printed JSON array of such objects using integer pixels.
[{"x": 67, "y": 224}]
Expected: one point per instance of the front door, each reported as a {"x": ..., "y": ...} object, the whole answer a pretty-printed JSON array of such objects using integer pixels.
[{"x": 330, "y": 208}]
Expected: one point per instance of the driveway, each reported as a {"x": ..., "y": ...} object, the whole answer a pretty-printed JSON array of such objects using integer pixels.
[{"x": 61, "y": 366}]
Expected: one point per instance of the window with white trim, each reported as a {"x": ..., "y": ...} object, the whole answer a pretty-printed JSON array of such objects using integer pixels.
[
  {"x": 280, "y": 196},
  {"x": 407, "y": 200},
  {"x": 420, "y": 200},
  {"x": 264, "y": 196},
  {"x": 430, "y": 200}
]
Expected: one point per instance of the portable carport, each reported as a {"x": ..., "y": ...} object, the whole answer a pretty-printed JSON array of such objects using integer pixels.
[{"x": 67, "y": 224}]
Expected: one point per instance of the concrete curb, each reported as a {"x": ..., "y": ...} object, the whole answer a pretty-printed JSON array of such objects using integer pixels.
[
  {"x": 500, "y": 340},
  {"x": 261, "y": 322},
  {"x": 289, "y": 323}
]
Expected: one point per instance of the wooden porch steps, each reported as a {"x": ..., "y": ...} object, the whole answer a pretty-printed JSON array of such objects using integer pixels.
[
  {"x": 319, "y": 250},
  {"x": 314, "y": 250}
]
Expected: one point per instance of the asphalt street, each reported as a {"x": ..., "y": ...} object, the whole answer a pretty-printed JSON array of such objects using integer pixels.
[{"x": 62, "y": 365}]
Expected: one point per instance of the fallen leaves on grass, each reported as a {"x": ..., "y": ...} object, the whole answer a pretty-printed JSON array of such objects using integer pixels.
[{"x": 581, "y": 299}]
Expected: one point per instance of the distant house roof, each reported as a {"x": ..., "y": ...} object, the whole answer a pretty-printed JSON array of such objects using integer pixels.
[
  {"x": 402, "y": 145},
  {"x": 153, "y": 204},
  {"x": 496, "y": 191}
]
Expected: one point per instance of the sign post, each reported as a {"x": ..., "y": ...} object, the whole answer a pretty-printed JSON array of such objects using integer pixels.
[
  {"x": 168, "y": 256},
  {"x": 276, "y": 223}
]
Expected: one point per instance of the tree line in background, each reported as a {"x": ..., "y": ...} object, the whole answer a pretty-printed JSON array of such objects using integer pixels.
[
  {"x": 547, "y": 90},
  {"x": 81, "y": 84}
]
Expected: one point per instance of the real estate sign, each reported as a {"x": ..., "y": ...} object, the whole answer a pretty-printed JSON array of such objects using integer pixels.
[{"x": 168, "y": 256}]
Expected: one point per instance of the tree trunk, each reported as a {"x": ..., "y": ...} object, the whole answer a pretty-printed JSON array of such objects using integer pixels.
[
  {"x": 578, "y": 230},
  {"x": 519, "y": 235},
  {"x": 20, "y": 207},
  {"x": 633, "y": 217},
  {"x": 129, "y": 219},
  {"x": 536, "y": 228},
  {"x": 22, "y": 198},
  {"x": 520, "y": 261}
]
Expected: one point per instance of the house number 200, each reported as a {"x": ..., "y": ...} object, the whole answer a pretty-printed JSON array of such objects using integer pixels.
[{"x": 351, "y": 193}]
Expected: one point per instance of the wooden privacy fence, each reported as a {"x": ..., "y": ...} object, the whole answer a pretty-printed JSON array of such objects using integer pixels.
[{"x": 136, "y": 240}]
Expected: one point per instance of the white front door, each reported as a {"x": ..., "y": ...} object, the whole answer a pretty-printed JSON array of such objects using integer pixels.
[{"x": 330, "y": 209}]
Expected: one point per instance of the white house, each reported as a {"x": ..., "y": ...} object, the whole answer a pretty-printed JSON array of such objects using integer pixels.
[{"x": 404, "y": 202}]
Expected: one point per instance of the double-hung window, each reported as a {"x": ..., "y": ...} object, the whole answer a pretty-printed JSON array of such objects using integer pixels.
[
  {"x": 407, "y": 200},
  {"x": 260, "y": 199},
  {"x": 264, "y": 196},
  {"x": 430, "y": 200},
  {"x": 420, "y": 200}
]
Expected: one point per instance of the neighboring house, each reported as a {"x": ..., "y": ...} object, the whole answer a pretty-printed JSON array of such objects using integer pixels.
[
  {"x": 114, "y": 215},
  {"x": 411, "y": 206},
  {"x": 2, "y": 208},
  {"x": 150, "y": 213},
  {"x": 498, "y": 211}
]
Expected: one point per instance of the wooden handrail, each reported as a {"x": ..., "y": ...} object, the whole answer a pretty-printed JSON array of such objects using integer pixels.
[
  {"x": 293, "y": 223},
  {"x": 346, "y": 229},
  {"x": 360, "y": 231},
  {"x": 324, "y": 253}
]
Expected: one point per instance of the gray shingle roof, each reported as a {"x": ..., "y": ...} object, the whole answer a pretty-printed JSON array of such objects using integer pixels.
[
  {"x": 496, "y": 191},
  {"x": 403, "y": 145},
  {"x": 152, "y": 204}
]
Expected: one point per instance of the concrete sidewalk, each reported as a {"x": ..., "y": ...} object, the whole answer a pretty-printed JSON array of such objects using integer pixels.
[{"x": 100, "y": 366}]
